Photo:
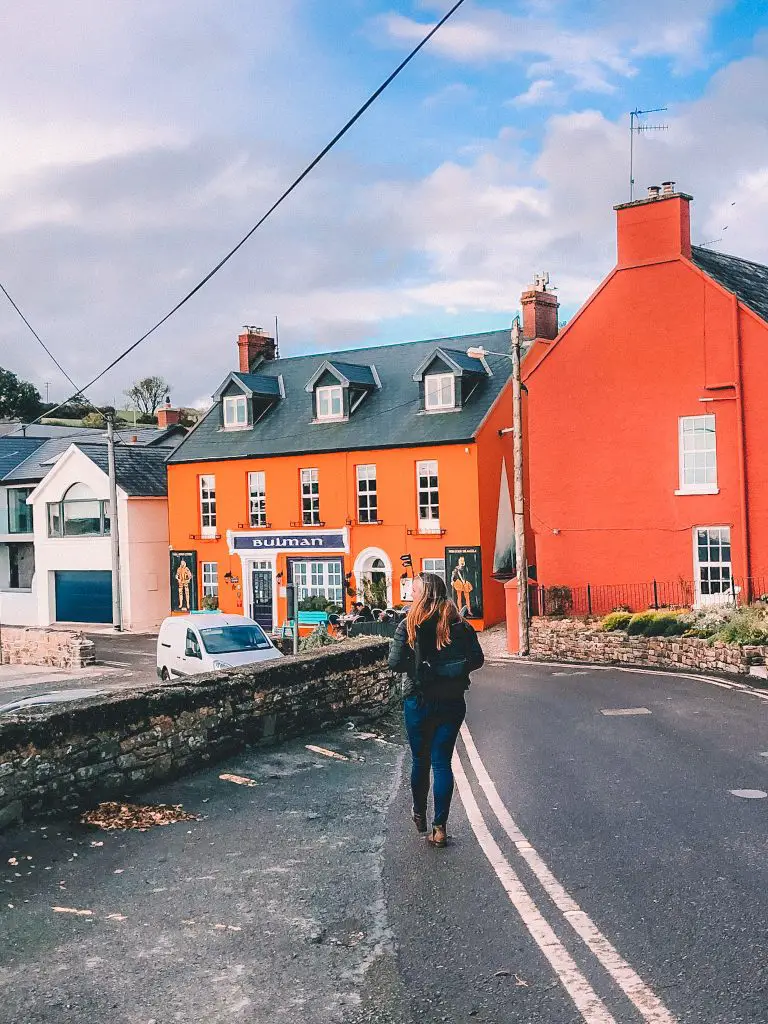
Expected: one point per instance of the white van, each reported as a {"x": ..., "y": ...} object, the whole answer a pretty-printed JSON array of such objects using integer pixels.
[{"x": 190, "y": 644}]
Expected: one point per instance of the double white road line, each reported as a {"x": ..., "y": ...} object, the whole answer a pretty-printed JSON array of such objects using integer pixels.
[{"x": 590, "y": 1006}]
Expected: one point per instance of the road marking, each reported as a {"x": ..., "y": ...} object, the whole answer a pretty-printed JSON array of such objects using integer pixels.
[
  {"x": 633, "y": 986},
  {"x": 625, "y": 711},
  {"x": 749, "y": 794},
  {"x": 588, "y": 1003}
]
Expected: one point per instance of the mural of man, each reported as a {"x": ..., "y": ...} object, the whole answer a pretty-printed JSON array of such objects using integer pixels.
[
  {"x": 183, "y": 579},
  {"x": 462, "y": 586}
]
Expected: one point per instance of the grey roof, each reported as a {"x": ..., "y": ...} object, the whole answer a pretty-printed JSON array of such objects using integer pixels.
[
  {"x": 44, "y": 430},
  {"x": 388, "y": 418},
  {"x": 747, "y": 280},
  {"x": 140, "y": 471},
  {"x": 41, "y": 461},
  {"x": 15, "y": 449},
  {"x": 355, "y": 373},
  {"x": 259, "y": 383}
]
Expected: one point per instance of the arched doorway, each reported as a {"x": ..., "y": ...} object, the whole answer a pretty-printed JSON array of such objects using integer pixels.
[{"x": 373, "y": 576}]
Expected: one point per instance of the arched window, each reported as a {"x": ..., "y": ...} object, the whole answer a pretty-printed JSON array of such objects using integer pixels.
[{"x": 79, "y": 514}]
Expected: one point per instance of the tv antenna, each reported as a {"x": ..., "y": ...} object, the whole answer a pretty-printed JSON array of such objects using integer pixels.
[{"x": 635, "y": 128}]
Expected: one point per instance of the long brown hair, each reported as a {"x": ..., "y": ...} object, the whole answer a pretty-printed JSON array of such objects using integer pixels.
[{"x": 433, "y": 602}]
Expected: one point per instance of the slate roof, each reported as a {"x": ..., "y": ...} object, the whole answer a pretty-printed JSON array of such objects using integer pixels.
[
  {"x": 747, "y": 280},
  {"x": 43, "y": 430},
  {"x": 259, "y": 383},
  {"x": 388, "y": 418},
  {"x": 41, "y": 460},
  {"x": 15, "y": 449},
  {"x": 140, "y": 471},
  {"x": 356, "y": 373}
]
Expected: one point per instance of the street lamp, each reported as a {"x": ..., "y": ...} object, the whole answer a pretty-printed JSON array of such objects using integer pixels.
[{"x": 521, "y": 562}]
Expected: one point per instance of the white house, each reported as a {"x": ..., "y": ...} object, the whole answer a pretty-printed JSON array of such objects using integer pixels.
[{"x": 61, "y": 571}]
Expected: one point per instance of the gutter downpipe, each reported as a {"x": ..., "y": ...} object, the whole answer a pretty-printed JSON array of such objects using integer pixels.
[{"x": 743, "y": 482}]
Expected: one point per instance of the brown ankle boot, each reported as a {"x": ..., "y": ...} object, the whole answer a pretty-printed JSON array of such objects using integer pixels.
[
  {"x": 438, "y": 836},
  {"x": 419, "y": 820}
]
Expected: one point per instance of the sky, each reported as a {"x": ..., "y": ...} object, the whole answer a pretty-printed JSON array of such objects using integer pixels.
[{"x": 142, "y": 141}]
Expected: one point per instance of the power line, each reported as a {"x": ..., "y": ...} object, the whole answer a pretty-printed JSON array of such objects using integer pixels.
[{"x": 294, "y": 185}]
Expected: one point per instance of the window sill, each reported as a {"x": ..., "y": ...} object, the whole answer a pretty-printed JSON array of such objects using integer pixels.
[
  {"x": 697, "y": 490},
  {"x": 234, "y": 430},
  {"x": 16, "y": 590},
  {"x": 330, "y": 419},
  {"x": 438, "y": 412}
]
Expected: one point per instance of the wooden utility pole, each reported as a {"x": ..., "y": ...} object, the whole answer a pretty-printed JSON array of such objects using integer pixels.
[
  {"x": 114, "y": 533},
  {"x": 521, "y": 561}
]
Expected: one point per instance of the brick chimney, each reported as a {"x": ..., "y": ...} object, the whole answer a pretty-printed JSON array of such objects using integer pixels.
[
  {"x": 655, "y": 228},
  {"x": 539, "y": 310},
  {"x": 167, "y": 416},
  {"x": 253, "y": 345}
]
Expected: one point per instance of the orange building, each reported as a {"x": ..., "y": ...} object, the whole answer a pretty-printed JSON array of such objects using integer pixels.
[
  {"x": 648, "y": 436},
  {"x": 327, "y": 469}
]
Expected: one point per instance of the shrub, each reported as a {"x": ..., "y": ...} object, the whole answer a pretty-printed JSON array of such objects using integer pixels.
[
  {"x": 616, "y": 620},
  {"x": 745, "y": 626},
  {"x": 622, "y": 608},
  {"x": 652, "y": 623},
  {"x": 318, "y": 638},
  {"x": 638, "y": 623}
]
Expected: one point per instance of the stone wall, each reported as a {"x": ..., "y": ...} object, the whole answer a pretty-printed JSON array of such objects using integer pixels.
[
  {"x": 79, "y": 753},
  {"x": 56, "y": 648},
  {"x": 580, "y": 640}
]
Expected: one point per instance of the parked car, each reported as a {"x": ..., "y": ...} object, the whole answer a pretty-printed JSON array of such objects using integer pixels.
[
  {"x": 44, "y": 700},
  {"x": 190, "y": 644}
]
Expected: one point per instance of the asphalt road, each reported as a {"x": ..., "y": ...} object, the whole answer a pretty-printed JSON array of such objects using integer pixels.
[
  {"x": 601, "y": 870},
  {"x": 122, "y": 660},
  {"x": 661, "y": 869}
]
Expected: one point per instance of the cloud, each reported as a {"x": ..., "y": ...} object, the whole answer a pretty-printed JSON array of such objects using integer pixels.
[{"x": 540, "y": 91}]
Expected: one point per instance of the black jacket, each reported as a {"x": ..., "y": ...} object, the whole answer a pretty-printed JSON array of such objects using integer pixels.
[{"x": 464, "y": 643}]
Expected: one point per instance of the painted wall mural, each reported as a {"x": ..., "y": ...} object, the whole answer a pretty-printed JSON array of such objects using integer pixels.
[
  {"x": 464, "y": 573},
  {"x": 183, "y": 581},
  {"x": 504, "y": 551}
]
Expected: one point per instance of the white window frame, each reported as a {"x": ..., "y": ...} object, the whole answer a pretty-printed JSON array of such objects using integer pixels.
[
  {"x": 235, "y": 412},
  {"x": 713, "y": 577},
  {"x": 434, "y": 565},
  {"x": 319, "y": 578},
  {"x": 257, "y": 498},
  {"x": 209, "y": 574},
  {"x": 367, "y": 494},
  {"x": 329, "y": 392},
  {"x": 697, "y": 454},
  {"x": 436, "y": 400},
  {"x": 310, "y": 492},
  {"x": 207, "y": 485},
  {"x": 428, "y": 496}
]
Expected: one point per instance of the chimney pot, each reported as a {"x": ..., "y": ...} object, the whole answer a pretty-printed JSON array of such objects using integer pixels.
[
  {"x": 667, "y": 188},
  {"x": 539, "y": 310},
  {"x": 653, "y": 191}
]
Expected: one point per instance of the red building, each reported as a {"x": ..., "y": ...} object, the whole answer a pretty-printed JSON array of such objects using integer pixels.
[{"x": 647, "y": 426}]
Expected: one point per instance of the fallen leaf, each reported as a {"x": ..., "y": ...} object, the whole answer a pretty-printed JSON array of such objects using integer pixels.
[
  {"x": 239, "y": 780},
  {"x": 114, "y": 815},
  {"x": 71, "y": 910},
  {"x": 326, "y": 753},
  {"x": 520, "y": 982}
]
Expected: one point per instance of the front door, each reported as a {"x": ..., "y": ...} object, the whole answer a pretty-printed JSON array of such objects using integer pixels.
[{"x": 261, "y": 608}]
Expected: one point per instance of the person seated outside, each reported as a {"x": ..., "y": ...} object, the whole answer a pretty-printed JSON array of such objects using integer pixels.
[{"x": 361, "y": 612}]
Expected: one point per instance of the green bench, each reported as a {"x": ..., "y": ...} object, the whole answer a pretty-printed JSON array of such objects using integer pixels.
[{"x": 312, "y": 619}]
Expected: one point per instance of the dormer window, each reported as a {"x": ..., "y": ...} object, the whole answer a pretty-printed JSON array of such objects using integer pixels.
[
  {"x": 439, "y": 391},
  {"x": 235, "y": 412},
  {"x": 330, "y": 402}
]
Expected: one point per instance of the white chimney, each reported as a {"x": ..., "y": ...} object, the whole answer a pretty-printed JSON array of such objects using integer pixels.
[
  {"x": 667, "y": 188},
  {"x": 653, "y": 191}
]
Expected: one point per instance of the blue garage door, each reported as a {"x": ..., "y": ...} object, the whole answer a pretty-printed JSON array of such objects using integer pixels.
[{"x": 83, "y": 596}]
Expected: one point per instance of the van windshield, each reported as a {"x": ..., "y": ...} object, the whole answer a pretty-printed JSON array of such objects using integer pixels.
[{"x": 231, "y": 639}]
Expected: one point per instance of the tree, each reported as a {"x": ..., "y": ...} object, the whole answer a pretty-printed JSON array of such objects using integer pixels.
[
  {"x": 147, "y": 393},
  {"x": 18, "y": 398}
]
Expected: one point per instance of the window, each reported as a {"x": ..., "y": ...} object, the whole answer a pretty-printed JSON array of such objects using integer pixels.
[
  {"x": 21, "y": 567},
  {"x": 235, "y": 412},
  {"x": 210, "y": 579},
  {"x": 208, "y": 506},
  {"x": 429, "y": 504},
  {"x": 310, "y": 497},
  {"x": 234, "y": 639},
  {"x": 439, "y": 391},
  {"x": 329, "y": 403},
  {"x": 367, "y": 498},
  {"x": 79, "y": 514},
  {"x": 698, "y": 455},
  {"x": 192, "y": 646},
  {"x": 434, "y": 565},
  {"x": 19, "y": 512},
  {"x": 712, "y": 557},
  {"x": 316, "y": 579},
  {"x": 257, "y": 499}
]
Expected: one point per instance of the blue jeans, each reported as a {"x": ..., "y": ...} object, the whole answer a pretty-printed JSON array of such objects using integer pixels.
[{"x": 432, "y": 728}]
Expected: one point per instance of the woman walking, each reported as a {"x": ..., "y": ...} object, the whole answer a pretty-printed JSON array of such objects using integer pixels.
[{"x": 436, "y": 649}]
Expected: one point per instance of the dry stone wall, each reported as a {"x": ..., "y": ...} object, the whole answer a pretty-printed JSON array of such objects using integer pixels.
[
  {"x": 578, "y": 640},
  {"x": 79, "y": 753},
  {"x": 52, "y": 647}
]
